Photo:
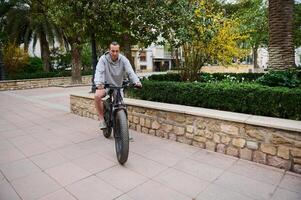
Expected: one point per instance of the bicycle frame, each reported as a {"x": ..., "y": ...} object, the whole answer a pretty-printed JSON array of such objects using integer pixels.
[{"x": 116, "y": 103}]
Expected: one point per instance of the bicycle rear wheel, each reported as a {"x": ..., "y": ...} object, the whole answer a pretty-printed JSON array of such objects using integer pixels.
[
  {"x": 107, "y": 131},
  {"x": 121, "y": 133}
]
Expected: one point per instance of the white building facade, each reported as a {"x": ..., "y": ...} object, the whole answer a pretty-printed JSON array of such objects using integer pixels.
[{"x": 152, "y": 58}]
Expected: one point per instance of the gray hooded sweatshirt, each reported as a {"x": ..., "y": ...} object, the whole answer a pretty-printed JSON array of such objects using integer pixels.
[{"x": 112, "y": 72}]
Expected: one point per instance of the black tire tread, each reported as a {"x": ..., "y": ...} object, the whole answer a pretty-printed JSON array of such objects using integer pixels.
[{"x": 124, "y": 135}]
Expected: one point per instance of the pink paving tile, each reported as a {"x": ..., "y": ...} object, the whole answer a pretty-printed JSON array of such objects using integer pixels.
[
  {"x": 214, "y": 159},
  {"x": 152, "y": 190},
  {"x": 144, "y": 166},
  {"x": 35, "y": 186},
  {"x": 18, "y": 169},
  {"x": 33, "y": 148},
  {"x": 182, "y": 182},
  {"x": 67, "y": 173},
  {"x": 10, "y": 155},
  {"x": 5, "y": 145},
  {"x": 93, "y": 188},
  {"x": 200, "y": 170},
  {"x": 282, "y": 194},
  {"x": 122, "y": 178},
  {"x": 163, "y": 157},
  {"x": 215, "y": 192},
  {"x": 48, "y": 160},
  {"x": 246, "y": 186},
  {"x": 7, "y": 192},
  {"x": 257, "y": 172},
  {"x": 12, "y": 133},
  {"x": 58, "y": 195},
  {"x": 74, "y": 151},
  {"x": 291, "y": 182},
  {"x": 94, "y": 163}
]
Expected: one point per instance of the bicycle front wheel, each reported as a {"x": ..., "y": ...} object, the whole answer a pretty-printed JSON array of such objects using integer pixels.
[{"x": 121, "y": 133}]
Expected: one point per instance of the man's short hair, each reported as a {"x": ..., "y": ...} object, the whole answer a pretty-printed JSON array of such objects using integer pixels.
[{"x": 114, "y": 43}]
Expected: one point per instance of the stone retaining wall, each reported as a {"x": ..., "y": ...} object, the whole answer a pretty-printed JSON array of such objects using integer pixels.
[
  {"x": 271, "y": 146},
  {"x": 39, "y": 83}
]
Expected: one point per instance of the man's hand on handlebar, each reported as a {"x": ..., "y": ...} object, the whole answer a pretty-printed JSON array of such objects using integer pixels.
[{"x": 138, "y": 85}]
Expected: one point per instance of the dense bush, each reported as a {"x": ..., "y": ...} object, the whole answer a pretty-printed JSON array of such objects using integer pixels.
[
  {"x": 41, "y": 74},
  {"x": 35, "y": 65},
  {"x": 44, "y": 75},
  {"x": 244, "y": 97},
  {"x": 14, "y": 58},
  {"x": 206, "y": 77},
  {"x": 240, "y": 77},
  {"x": 165, "y": 77},
  {"x": 288, "y": 78}
]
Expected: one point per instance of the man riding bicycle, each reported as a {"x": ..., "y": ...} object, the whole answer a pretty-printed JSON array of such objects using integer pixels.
[{"x": 111, "y": 69}]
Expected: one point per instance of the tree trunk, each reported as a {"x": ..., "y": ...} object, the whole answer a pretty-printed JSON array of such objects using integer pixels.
[
  {"x": 2, "y": 70},
  {"x": 255, "y": 56},
  {"x": 177, "y": 58},
  {"x": 281, "y": 46},
  {"x": 127, "y": 50},
  {"x": 76, "y": 63},
  {"x": 45, "y": 52},
  {"x": 94, "y": 61}
]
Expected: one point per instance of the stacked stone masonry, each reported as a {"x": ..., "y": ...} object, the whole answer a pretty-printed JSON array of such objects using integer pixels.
[
  {"x": 40, "y": 83},
  {"x": 270, "y": 146}
]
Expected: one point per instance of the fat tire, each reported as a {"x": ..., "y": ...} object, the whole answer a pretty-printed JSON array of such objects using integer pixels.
[{"x": 121, "y": 133}]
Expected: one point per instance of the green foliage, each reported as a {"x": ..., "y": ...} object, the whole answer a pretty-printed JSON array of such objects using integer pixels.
[
  {"x": 238, "y": 77},
  {"x": 254, "y": 19},
  {"x": 165, "y": 77},
  {"x": 244, "y": 97},
  {"x": 14, "y": 58},
  {"x": 35, "y": 65},
  {"x": 60, "y": 59},
  {"x": 297, "y": 24},
  {"x": 86, "y": 56},
  {"x": 287, "y": 78},
  {"x": 206, "y": 77},
  {"x": 212, "y": 38},
  {"x": 42, "y": 74},
  {"x": 39, "y": 74}
]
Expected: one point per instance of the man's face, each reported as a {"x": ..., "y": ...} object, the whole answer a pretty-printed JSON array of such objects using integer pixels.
[{"x": 114, "y": 52}]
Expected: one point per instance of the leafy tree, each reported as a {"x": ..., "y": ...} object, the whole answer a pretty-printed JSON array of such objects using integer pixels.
[
  {"x": 178, "y": 16},
  {"x": 70, "y": 17},
  {"x": 15, "y": 58},
  {"x": 135, "y": 22},
  {"x": 214, "y": 38},
  {"x": 253, "y": 18},
  {"x": 27, "y": 21}
]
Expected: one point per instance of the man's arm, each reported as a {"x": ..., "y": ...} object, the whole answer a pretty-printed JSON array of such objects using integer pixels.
[
  {"x": 99, "y": 73},
  {"x": 130, "y": 72}
]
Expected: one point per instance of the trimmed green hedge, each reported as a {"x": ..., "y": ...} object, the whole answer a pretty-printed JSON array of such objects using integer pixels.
[
  {"x": 165, "y": 77},
  {"x": 244, "y": 97},
  {"x": 44, "y": 75},
  {"x": 205, "y": 77}
]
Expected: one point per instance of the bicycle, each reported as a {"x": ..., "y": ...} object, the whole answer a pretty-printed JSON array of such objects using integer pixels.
[{"x": 115, "y": 116}]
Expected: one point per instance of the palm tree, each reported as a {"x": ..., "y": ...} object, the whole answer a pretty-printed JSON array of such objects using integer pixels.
[
  {"x": 281, "y": 46},
  {"x": 28, "y": 22}
]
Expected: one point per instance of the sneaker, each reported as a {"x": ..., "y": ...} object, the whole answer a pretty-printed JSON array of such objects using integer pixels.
[
  {"x": 131, "y": 139},
  {"x": 102, "y": 124}
]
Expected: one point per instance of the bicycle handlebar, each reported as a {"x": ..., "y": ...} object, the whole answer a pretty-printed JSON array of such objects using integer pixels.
[{"x": 125, "y": 84}]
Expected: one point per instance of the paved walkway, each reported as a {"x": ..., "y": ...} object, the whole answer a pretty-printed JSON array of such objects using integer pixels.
[{"x": 46, "y": 153}]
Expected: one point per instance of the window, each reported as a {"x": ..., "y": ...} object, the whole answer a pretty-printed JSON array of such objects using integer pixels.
[
  {"x": 142, "y": 56},
  {"x": 142, "y": 67}
]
